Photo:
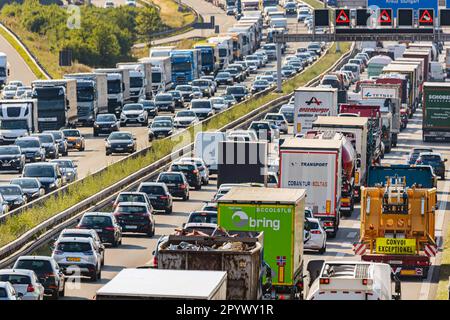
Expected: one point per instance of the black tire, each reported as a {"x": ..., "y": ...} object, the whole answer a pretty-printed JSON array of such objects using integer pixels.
[
  {"x": 169, "y": 211},
  {"x": 82, "y": 149},
  {"x": 65, "y": 154},
  {"x": 198, "y": 187},
  {"x": 144, "y": 124},
  {"x": 55, "y": 295},
  {"x": 185, "y": 198},
  {"x": 115, "y": 243},
  {"x": 332, "y": 235},
  {"x": 107, "y": 153},
  {"x": 99, "y": 275},
  {"x": 94, "y": 276},
  {"x": 151, "y": 233},
  {"x": 150, "y": 139},
  {"x": 95, "y": 134},
  {"x": 63, "y": 292},
  {"x": 323, "y": 250}
]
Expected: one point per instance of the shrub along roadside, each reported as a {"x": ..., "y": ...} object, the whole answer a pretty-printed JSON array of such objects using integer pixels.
[
  {"x": 444, "y": 270},
  {"x": 16, "y": 226}
]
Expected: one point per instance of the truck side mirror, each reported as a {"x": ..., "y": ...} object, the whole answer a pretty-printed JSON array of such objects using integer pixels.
[
  {"x": 67, "y": 103},
  {"x": 9, "y": 73}
]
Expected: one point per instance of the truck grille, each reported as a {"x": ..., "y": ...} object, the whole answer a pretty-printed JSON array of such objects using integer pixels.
[
  {"x": 83, "y": 112},
  {"x": 49, "y": 126},
  {"x": 181, "y": 80},
  {"x": 132, "y": 116}
]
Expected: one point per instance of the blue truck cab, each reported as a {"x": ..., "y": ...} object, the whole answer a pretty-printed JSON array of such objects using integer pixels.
[
  {"x": 209, "y": 57},
  {"x": 186, "y": 65},
  {"x": 420, "y": 175}
]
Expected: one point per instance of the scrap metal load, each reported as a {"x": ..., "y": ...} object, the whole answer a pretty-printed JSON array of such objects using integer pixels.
[{"x": 398, "y": 226}]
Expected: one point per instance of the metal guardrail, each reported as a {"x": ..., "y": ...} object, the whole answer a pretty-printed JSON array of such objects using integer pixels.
[{"x": 48, "y": 229}]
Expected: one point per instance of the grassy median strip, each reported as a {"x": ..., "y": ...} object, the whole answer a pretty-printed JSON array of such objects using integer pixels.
[
  {"x": 16, "y": 226},
  {"x": 22, "y": 52},
  {"x": 444, "y": 270}
]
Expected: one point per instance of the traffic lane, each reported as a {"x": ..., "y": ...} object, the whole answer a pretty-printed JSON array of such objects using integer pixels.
[
  {"x": 19, "y": 70},
  {"x": 136, "y": 250}
]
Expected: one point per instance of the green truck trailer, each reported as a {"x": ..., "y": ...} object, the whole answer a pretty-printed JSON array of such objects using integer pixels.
[
  {"x": 436, "y": 111},
  {"x": 279, "y": 213}
]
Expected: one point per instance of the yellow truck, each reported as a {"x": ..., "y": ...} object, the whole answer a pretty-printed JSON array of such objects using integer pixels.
[{"x": 398, "y": 226}]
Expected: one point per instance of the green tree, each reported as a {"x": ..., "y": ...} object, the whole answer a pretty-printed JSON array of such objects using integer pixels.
[{"x": 147, "y": 22}]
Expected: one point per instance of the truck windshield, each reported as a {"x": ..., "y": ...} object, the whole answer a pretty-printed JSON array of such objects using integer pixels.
[
  {"x": 136, "y": 82},
  {"x": 2, "y": 72},
  {"x": 85, "y": 94},
  {"x": 13, "y": 124},
  {"x": 181, "y": 66},
  {"x": 223, "y": 52},
  {"x": 114, "y": 86},
  {"x": 156, "y": 77},
  {"x": 50, "y": 99},
  {"x": 207, "y": 57}
]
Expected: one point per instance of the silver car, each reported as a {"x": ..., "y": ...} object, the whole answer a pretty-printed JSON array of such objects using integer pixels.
[
  {"x": 86, "y": 233},
  {"x": 25, "y": 282},
  {"x": 78, "y": 256},
  {"x": 279, "y": 120},
  {"x": 7, "y": 292}
]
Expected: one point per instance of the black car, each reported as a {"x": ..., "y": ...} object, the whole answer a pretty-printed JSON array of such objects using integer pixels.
[
  {"x": 191, "y": 173},
  {"x": 11, "y": 158},
  {"x": 177, "y": 98},
  {"x": 135, "y": 217},
  {"x": 237, "y": 76},
  {"x": 13, "y": 195},
  {"x": 224, "y": 78},
  {"x": 160, "y": 129},
  {"x": 176, "y": 182},
  {"x": 106, "y": 123},
  {"x": 238, "y": 92},
  {"x": 435, "y": 160},
  {"x": 49, "y": 144},
  {"x": 185, "y": 90},
  {"x": 158, "y": 194},
  {"x": 48, "y": 174},
  {"x": 106, "y": 225},
  {"x": 32, "y": 149},
  {"x": 60, "y": 140},
  {"x": 150, "y": 107},
  {"x": 31, "y": 187},
  {"x": 165, "y": 101},
  {"x": 120, "y": 142}
]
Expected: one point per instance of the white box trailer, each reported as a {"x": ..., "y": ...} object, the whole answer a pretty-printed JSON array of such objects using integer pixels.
[
  {"x": 356, "y": 127},
  {"x": 311, "y": 102},
  {"x": 206, "y": 147},
  {"x": 354, "y": 280},
  {"x": 145, "y": 67},
  {"x": 125, "y": 80},
  {"x": 315, "y": 165},
  {"x": 161, "y": 73},
  {"x": 156, "y": 284}
]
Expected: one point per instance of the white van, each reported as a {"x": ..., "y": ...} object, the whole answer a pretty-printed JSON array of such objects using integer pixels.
[{"x": 206, "y": 147}]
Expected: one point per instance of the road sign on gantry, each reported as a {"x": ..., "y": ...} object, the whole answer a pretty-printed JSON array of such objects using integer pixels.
[
  {"x": 364, "y": 17},
  {"x": 444, "y": 18},
  {"x": 415, "y": 5},
  {"x": 405, "y": 18},
  {"x": 322, "y": 18},
  {"x": 385, "y": 18},
  {"x": 342, "y": 17},
  {"x": 426, "y": 17}
]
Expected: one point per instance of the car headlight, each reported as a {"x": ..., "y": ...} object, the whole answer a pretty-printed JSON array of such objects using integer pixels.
[
  {"x": 17, "y": 202},
  {"x": 130, "y": 144},
  {"x": 52, "y": 185},
  {"x": 95, "y": 125},
  {"x": 170, "y": 132},
  {"x": 69, "y": 173},
  {"x": 107, "y": 144}
]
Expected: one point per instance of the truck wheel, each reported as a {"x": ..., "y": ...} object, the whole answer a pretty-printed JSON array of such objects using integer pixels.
[
  {"x": 94, "y": 276},
  {"x": 425, "y": 273},
  {"x": 63, "y": 292},
  {"x": 198, "y": 187},
  {"x": 323, "y": 250},
  {"x": 95, "y": 134},
  {"x": 169, "y": 211},
  {"x": 65, "y": 153}
]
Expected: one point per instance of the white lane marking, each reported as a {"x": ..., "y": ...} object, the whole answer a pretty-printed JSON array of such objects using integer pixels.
[
  {"x": 352, "y": 234},
  {"x": 356, "y": 225},
  {"x": 426, "y": 283}
]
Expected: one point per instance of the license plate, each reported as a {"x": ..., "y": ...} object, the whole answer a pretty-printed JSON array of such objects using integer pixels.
[
  {"x": 170, "y": 184},
  {"x": 119, "y": 149},
  {"x": 72, "y": 259},
  {"x": 408, "y": 272},
  {"x": 6, "y": 164},
  {"x": 152, "y": 197},
  {"x": 395, "y": 262},
  {"x": 130, "y": 227}
]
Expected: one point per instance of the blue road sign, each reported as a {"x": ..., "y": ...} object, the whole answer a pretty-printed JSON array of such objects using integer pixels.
[{"x": 406, "y": 4}]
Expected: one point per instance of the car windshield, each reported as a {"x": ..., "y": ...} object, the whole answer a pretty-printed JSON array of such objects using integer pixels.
[
  {"x": 15, "y": 279},
  {"x": 186, "y": 114},
  {"x": 133, "y": 107},
  {"x": 120, "y": 136},
  {"x": 10, "y": 190},
  {"x": 164, "y": 97},
  {"x": 38, "y": 266},
  {"x": 131, "y": 209},
  {"x": 46, "y": 138},
  {"x": 106, "y": 118},
  {"x": 223, "y": 75},
  {"x": 72, "y": 133},
  {"x": 351, "y": 68},
  {"x": 274, "y": 117},
  {"x": 235, "y": 90},
  {"x": 203, "y": 217},
  {"x": 74, "y": 247},
  {"x": 148, "y": 103},
  {"x": 170, "y": 178},
  {"x": 313, "y": 225},
  {"x": 183, "y": 167},
  {"x": 261, "y": 83},
  {"x": 200, "y": 104},
  {"x": 217, "y": 100},
  {"x": 430, "y": 158},
  {"x": 57, "y": 135},
  {"x": 28, "y": 143},
  {"x": 200, "y": 83},
  {"x": 183, "y": 88},
  {"x": 101, "y": 221},
  {"x": 26, "y": 183},
  {"x": 64, "y": 163},
  {"x": 127, "y": 197},
  {"x": 175, "y": 94},
  {"x": 257, "y": 126},
  {"x": 158, "y": 190},
  {"x": 35, "y": 171},
  {"x": 161, "y": 124},
  {"x": 9, "y": 150}
]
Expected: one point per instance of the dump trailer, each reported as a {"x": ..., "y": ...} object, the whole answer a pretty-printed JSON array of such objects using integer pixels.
[
  {"x": 436, "y": 111},
  {"x": 242, "y": 162},
  {"x": 154, "y": 284},
  {"x": 240, "y": 256},
  {"x": 398, "y": 226},
  {"x": 279, "y": 213},
  {"x": 315, "y": 165}
]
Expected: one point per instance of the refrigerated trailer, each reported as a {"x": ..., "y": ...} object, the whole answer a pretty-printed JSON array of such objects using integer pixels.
[{"x": 436, "y": 111}]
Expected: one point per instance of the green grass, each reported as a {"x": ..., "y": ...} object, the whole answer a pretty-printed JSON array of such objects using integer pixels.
[
  {"x": 444, "y": 270},
  {"x": 314, "y": 3},
  {"x": 18, "y": 225},
  {"x": 31, "y": 64},
  {"x": 171, "y": 16}
]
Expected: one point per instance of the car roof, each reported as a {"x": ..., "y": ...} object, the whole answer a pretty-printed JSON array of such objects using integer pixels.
[
  {"x": 135, "y": 204},
  {"x": 102, "y": 214},
  {"x": 80, "y": 231},
  {"x": 75, "y": 239},
  {"x": 430, "y": 154},
  {"x": 46, "y": 258},
  {"x": 24, "y": 272},
  {"x": 132, "y": 193}
]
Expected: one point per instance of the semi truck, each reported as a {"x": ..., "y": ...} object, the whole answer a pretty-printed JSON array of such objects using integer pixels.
[
  {"x": 398, "y": 226},
  {"x": 57, "y": 103},
  {"x": 242, "y": 162},
  {"x": 447, "y": 61},
  {"x": 92, "y": 95},
  {"x": 316, "y": 166},
  {"x": 410, "y": 72},
  {"x": 4, "y": 69},
  {"x": 354, "y": 280},
  {"x": 312, "y": 102},
  {"x": 279, "y": 213},
  {"x": 419, "y": 64},
  {"x": 436, "y": 111},
  {"x": 161, "y": 73},
  {"x": 118, "y": 88},
  {"x": 154, "y": 284},
  {"x": 18, "y": 118},
  {"x": 140, "y": 79},
  {"x": 250, "y": 5},
  {"x": 186, "y": 65},
  {"x": 162, "y": 51},
  {"x": 206, "y": 147},
  {"x": 420, "y": 54},
  {"x": 240, "y": 254},
  {"x": 358, "y": 130},
  {"x": 210, "y": 57},
  {"x": 225, "y": 47},
  {"x": 400, "y": 80}
]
